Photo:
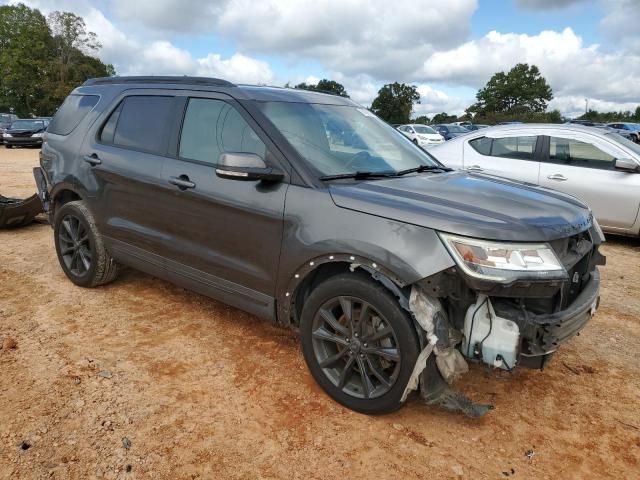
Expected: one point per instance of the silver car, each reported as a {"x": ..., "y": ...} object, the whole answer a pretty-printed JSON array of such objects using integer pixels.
[{"x": 595, "y": 165}]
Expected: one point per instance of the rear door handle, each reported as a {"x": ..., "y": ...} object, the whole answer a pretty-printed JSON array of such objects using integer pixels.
[
  {"x": 92, "y": 159},
  {"x": 182, "y": 182},
  {"x": 558, "y": 177},
  {"x": 475, "y": 168}
]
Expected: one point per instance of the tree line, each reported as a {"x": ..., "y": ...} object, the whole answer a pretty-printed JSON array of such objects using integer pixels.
[
  {"x": 521, "y": 94},
  {"x": 43, "y": 58}
]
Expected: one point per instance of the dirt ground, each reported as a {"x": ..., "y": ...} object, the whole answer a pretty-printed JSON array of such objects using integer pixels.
[{"x": 141, "y": 379}]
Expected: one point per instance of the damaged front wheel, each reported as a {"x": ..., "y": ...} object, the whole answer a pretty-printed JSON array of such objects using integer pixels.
[{"x": 359, "y": 343}]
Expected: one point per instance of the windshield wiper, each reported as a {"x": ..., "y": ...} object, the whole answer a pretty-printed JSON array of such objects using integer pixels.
[
  {"x": 425, "y": 168},
  {"x": 359, "y": 175}
]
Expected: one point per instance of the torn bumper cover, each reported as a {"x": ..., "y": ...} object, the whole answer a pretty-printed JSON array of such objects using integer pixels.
[{"x": 440, "y": 339}]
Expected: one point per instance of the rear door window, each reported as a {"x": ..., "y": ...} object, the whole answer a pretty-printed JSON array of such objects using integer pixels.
[
  {"x": 212, "y": 127},
  {"x": 575, "y": 153},
  {"x": 519, "y": 148},
  {"x": 140, "y": 122},
  {"x": 71, "y": 113}
]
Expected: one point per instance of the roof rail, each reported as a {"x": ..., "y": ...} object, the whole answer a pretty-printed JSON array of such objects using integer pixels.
[{"x": 184, "y": 80}]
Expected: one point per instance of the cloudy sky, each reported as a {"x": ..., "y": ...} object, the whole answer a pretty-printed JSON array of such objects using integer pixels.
[{"x": 449, "y": 49}]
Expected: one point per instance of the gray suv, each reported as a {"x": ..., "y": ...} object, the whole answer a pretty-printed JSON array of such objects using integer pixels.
[{"x": 308, "y": 210}]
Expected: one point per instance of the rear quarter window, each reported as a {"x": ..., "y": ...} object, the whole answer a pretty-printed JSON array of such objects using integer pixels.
[
  {"x": 481, "y": 145},
  {"x": 71, "y": 113}
]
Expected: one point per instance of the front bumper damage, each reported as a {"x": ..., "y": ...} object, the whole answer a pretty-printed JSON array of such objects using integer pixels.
[{"x": 514, "y": 336}]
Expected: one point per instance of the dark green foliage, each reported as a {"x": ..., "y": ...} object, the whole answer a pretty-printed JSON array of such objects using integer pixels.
[
  {"x": 443, "y": 118},
  {"x": 42, "y": 60},
  {"x": 395, "y": 102},
  {"x": 422, "y": 119},
  {"x": 325, "y": 86},
  {"x": 522, "y": 90},
  {"x": 606, "y": 117}
]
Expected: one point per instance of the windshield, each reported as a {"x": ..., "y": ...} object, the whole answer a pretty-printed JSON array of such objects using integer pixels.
[
  {"x": 424, "y": 130},
  {"x": 27, "y": 124},
  {"x": 337, "y": 139},
  {"x": 5, "y": 118},
  {"x": 634, "y": 147}
]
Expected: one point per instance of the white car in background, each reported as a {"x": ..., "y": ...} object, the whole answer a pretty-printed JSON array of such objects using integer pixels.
[
  {"x": 595, "y": 165},
  {"x": 422, "y": 135}
]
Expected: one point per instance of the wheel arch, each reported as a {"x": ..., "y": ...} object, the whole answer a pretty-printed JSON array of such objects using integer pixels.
[
  {"x": 63, "y": 193},
  {"x": 318, "y": 269}
]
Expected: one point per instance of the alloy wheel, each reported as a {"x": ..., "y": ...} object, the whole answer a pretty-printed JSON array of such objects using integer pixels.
[
  {"x": 75, "y": 245},
  {"x": 356, "y": 347}
]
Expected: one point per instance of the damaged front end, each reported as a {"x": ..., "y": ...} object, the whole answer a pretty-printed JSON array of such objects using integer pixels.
[{"x": 504, "y": 305}]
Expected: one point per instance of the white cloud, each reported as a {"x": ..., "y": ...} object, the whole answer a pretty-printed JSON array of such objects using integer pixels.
[
  {"x": 621, "y": 23},
  {"x": 352, "y": 36},
  {"x": 364, "y": 44},
  {"x": 571, "y": 68}
]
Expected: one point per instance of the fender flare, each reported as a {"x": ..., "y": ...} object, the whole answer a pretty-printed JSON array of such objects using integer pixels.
[{"x": 378, "y": 272}]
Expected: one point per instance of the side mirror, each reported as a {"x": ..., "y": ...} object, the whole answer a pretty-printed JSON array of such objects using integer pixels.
[
  {"x": 246, "y": 166},
  {"x": 626, "y": 164}
]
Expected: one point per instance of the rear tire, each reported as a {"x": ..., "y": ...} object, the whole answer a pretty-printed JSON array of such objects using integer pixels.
[
  {"x": 339, "y": 343},
  {"x": 8, "y": 146},
  {"x": 80, "y": 247}
]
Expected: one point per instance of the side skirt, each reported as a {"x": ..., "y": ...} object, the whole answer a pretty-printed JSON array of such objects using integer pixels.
[{"x": 238, "y": 296}]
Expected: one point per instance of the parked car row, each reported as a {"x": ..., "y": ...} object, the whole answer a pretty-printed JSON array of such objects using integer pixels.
[
  {"x": 595, "y": 165},
  {"x": 18, "y": 132}
]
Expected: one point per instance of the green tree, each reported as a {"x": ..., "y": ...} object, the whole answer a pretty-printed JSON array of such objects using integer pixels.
[
  {"x": 521, "y": 90},
  {"x": 443, "y": 118},
  {"x": 25, "y": 44},
  {"x": 72, "y": 58},
  {"x": 422, "y": 119},
  {"x": 395, "y": 101},
  {"x": 41, "y": 62},
  {"x": 325, "y": 86}
]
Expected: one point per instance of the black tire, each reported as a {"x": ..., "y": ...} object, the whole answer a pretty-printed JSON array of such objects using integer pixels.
[
  {"x": 17, "y": 212},
  {"x": 83, "y": 258},
  {"x": 364, "y": 294},
  {"x": 8, "y": 146}
]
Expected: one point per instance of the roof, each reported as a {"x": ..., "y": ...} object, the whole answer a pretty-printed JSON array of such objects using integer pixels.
[
  {"x": 177, "y": 80},
  {"x": 242, "y": 92},
  {"x": 534, "y": 127}
]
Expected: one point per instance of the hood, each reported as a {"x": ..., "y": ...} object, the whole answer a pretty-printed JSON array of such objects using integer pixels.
[{"x": 467, "y": 204}]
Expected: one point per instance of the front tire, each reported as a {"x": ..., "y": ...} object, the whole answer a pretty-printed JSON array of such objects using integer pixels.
[
  {"x": 359, "y": 344},
  {"x": 80, "y": 248}
]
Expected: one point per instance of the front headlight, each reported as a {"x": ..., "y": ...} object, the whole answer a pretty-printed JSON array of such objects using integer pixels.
[
  {"x": 6, "y": 135},
  {"x": 37, "y": 135},
  {"x": 504, "y": 262}
]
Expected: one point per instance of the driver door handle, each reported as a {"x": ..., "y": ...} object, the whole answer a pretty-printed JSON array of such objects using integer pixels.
[
  {"x": 475, "y": 168},
  {"x": 92, "y": 159},
  {"x": 182, "y": 182},
  {"x": 558, "y": 177}
]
